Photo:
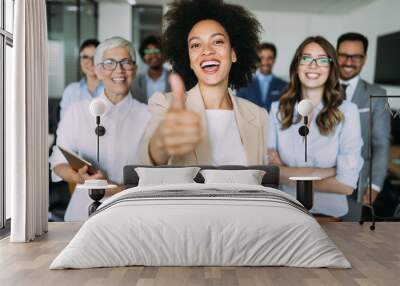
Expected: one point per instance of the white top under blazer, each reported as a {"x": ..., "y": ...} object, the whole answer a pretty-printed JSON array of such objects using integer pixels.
[{"x": 224, "y": 138}]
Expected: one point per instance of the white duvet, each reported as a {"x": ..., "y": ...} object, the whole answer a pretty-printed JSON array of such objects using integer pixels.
[{"x": 207, "y": 230}]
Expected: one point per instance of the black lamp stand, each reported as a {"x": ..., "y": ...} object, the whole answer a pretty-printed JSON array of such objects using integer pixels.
[
  {"x": 303, "y": 131},
  {"x": 369, "y": 205},
  {"x": 97, "y": 194},
  {"x": 304, "y": 193},
  {"x": 304, "y": 186}
]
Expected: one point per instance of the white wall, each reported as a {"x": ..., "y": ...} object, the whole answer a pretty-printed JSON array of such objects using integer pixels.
[
  {"x": 115, "y": 19},
  {"x": 378, "y": 18},
  {"x": 287, "y": 30}
]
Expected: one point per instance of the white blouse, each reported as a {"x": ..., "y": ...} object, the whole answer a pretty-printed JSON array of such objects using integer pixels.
[
  {"x": 125, "y": 124},
  {"x": 224, "y": 138},
  {"x": 340, "y": 149}
]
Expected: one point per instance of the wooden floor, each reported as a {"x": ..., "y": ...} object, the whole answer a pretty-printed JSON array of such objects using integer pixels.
[{"x": 375, "y": 257}]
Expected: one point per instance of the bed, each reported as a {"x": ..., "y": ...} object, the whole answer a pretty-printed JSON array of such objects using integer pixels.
[{"x": 201, "y": 224}]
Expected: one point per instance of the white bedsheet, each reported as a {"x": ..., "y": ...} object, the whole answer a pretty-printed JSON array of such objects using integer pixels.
[{"x": 200, "y": 231}]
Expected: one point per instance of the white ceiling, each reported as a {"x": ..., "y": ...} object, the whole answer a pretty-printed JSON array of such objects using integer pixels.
[{"x": 302, "y": 6}]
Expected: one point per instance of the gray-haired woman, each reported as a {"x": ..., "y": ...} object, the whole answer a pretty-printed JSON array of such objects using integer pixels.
[{"x": 125, "y": 121}]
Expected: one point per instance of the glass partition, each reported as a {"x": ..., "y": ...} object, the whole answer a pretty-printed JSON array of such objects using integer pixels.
[
  {"x": 70, "y": 22},
  {"x": 9, "y": 15},
  {"x": 146, "y": 20}
]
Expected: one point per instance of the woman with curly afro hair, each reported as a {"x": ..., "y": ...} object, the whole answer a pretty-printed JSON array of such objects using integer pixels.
[{"x": 212, "y": 47}]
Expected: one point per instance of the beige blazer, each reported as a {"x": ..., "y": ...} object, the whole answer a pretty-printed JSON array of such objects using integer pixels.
[{"x": 251, "y": 119}]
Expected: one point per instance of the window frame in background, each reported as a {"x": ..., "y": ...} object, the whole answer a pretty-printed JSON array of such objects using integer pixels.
[
  {"x": 56, "y": 11},
  {"x": 138, "y": 28},
  {"x": 69, "y": 23}
]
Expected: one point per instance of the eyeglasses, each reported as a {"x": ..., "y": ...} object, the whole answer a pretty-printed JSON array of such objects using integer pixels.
[
  {"x": 111, "y": 65},
  {"x": 321, "y": 62},
  {"x": 86, "y": 58},
  {"x": 152, "y": 51},
  {"x": 354, "y": 58}
]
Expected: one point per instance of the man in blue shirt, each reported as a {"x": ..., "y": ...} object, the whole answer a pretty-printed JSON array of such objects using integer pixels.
[
  {"x": 265, "y": 87},
  {"x": 156, "y": 77}
]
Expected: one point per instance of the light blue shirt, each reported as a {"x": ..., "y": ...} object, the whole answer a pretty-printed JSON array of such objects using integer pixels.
[
  {"x": 340, "y": 149},
  {"x": 78, "y": 91},
  {"x": 264, "y": 81},
  {"x": 156, "y": 85}
]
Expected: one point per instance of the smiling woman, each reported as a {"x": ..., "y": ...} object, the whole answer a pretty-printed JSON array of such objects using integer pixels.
[
  {"x": 211, "y": 46},
  {"x": 314, "y": 75},
  {"x": 117, "y": 70},
  {"x": 89, "y": 86},
  {"x": 210, "y": 53},
  {"x": 124, "y": 120}
]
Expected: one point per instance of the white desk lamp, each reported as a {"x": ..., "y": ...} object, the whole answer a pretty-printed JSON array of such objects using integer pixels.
[
  {"x": 304, "y": 187},
  {"x": 98, "y": 108},
  {"x": 305, "y": 108},
  {"x": 97, "y": 188}
]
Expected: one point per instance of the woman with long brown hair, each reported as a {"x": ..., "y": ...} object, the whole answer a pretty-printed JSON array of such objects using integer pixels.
[{"x": 334, "y": 139}]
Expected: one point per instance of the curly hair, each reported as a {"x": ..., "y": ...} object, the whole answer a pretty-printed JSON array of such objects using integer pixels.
[
  {"x": 330, "y": 116},
  {"x": 241, "y": 26},
  {"x": 149, "y": 40}
]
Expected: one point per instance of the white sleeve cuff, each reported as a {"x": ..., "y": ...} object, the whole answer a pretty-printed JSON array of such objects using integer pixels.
[
  {"x": 376, "y": 188},
  {"x": 55, "y": 159}
]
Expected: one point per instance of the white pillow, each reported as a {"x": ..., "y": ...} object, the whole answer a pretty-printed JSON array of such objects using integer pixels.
[
  {"x": 248, "y": 177},
  {"x": 165, "y": 176}
]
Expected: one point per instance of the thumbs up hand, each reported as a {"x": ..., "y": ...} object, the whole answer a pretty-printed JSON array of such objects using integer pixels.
[
  {"x": 178, "y": 90},
  {"x": 180, "y": 130}
]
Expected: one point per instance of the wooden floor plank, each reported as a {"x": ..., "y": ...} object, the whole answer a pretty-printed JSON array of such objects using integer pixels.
[{"x": 375, "y": 258}]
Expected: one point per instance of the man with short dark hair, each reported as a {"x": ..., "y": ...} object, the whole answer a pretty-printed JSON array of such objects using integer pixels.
[
  {"x": 156, "y": 76},
  {"x": 352, "y": 54},
  {"x": 265, "y": 87}
]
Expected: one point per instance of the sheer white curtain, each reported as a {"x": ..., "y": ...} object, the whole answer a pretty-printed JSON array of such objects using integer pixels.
[{"x": 27, "y": 123}]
